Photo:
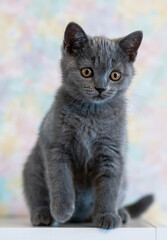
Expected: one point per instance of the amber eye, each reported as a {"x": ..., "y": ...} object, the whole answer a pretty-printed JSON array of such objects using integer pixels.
[
  {"x": 87, "y": 72},
  {"x": 115, "y": 76}
]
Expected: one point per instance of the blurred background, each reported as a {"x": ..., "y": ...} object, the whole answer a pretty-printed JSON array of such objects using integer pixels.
[{"x": 31, "y": 34}]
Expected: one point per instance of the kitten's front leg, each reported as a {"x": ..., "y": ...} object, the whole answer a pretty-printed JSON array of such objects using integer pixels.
[
  {"x": 60, "y": 183},
  {"x": 107, "y": 183}
]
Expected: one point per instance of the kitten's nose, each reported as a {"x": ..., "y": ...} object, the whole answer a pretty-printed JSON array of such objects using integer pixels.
[{"x": 100, "y": 90}]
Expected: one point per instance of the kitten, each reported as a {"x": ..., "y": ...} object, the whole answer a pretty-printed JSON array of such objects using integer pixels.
[{"x": 76, "y": 170}]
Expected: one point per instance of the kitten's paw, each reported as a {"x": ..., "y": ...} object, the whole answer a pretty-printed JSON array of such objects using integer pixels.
[
  {"x": 62, "y": 211},
  {"x": 41, "y": 217},
  {"x": 124, "y": 215},
  {"x": 107, "y": 220}
]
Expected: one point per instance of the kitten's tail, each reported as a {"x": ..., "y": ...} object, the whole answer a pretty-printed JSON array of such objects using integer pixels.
[{"x": 139, "y": 207}]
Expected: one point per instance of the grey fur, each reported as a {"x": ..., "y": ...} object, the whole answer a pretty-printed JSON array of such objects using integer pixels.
[{"x": 76, "y": 171}]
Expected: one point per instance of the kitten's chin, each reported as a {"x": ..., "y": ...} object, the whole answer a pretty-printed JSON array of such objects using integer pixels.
[
  {"x": 103, "y": 98},
  {"x": 99, "y": 99}
]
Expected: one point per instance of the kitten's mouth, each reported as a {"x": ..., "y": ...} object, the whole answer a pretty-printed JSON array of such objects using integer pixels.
[{"x": 99, "y": 97}]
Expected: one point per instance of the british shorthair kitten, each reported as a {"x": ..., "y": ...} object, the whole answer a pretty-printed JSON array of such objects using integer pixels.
[{"x": 76, "y": 170}]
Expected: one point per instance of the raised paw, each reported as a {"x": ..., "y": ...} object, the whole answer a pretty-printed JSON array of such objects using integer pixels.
[
  {"x": 41, "y": 216},
  {"x": 124, "y": 215},
  {"x": 107, "y": 220},
  {"x": 62, "y": 210}
]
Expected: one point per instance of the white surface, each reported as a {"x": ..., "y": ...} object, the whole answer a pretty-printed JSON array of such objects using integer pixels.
[
  {"x": 76, "y": 233},
  {"x": 20, "y": 229},
  {"x": 161, "y": 233}
]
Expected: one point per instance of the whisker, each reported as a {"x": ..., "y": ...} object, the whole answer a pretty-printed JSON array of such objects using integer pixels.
[{"x": 134, "y": 108}]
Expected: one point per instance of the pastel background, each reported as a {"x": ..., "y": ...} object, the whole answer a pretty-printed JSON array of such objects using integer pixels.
[{"x": 31, "y": 33}]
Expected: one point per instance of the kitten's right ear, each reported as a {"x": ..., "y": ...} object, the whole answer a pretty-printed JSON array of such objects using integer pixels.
[
  {"x": 74, "y": 38},
  {"x": 131, "y": 43}
]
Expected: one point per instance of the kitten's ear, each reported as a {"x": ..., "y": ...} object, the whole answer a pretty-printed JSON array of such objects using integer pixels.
[
  {"x": 131, "y": 43},
  {"x": 74, "y": 38}
]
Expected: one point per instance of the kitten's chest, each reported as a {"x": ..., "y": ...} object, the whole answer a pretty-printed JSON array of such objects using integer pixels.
[
  {"x": 84, "y": 129},
  {"x": 89, "y": 129},
  {"x": 85, "y": 133}
]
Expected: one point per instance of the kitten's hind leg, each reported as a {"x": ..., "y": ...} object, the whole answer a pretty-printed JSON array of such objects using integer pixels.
[
  {"x": 123, "y": 213},
  {"x": 35, "y": 190}
]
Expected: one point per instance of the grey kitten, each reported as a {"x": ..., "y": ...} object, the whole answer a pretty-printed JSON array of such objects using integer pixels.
[{"x": 76, "y": 170}]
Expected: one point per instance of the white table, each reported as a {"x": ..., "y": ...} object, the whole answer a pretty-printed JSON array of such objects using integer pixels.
[{"x": 21, "y": 229}]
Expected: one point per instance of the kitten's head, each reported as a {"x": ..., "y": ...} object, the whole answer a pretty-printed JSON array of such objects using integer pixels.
[{"x": 97, "y": 68}]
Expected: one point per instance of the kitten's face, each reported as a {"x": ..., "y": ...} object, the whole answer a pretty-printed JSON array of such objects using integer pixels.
[{"x": 96, "y": 69}]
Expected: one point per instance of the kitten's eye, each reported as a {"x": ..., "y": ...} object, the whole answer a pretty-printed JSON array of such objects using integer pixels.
[
  {"x": 87, "y": 72},
  {"x": 115, "y": 76}
]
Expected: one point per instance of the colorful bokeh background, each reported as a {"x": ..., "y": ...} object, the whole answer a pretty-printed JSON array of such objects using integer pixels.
[{"x": 31, "y": 34}]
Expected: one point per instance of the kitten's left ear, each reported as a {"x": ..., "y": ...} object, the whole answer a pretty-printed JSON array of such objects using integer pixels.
[
  {"x": 131, "y": 43},
  {"x": 74, "y": 38}
]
